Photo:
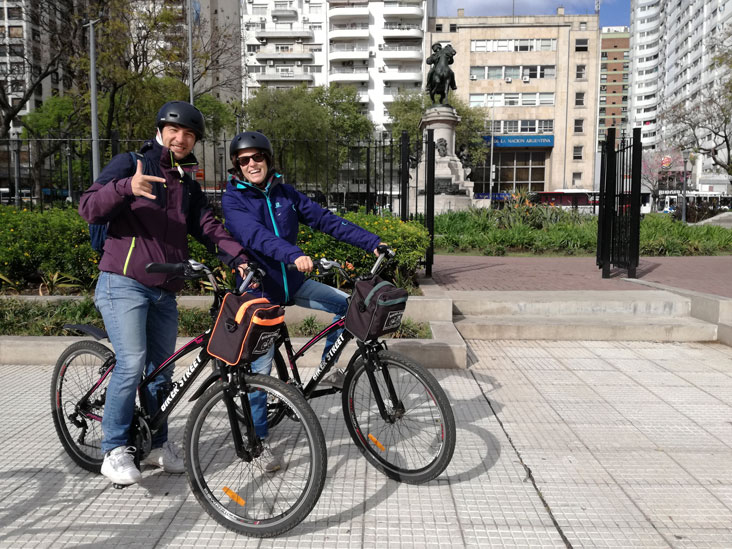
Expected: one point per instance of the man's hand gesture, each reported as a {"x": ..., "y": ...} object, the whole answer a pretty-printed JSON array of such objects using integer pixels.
[{"x": 142, "y": 184}]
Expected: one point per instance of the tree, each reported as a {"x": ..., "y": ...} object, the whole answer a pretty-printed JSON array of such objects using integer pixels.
[
  {"x": 313, "y": 149},
  {"x": 703, "y": 124},
  {"x": 56, "y": 33}
]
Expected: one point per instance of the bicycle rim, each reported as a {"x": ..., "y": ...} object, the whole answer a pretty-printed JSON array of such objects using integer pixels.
[
  {"x": 415, "y": 445},
  {"x": 241, "y": 495},
  {"x": 79, "y": 425}
]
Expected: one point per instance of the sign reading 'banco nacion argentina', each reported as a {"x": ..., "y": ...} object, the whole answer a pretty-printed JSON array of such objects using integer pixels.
[{"x": 521, "y": 140}]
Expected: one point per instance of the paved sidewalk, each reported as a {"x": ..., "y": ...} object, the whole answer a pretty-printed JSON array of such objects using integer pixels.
[
  {"x": 580, "y": 444},
  {"x": 705, "y": 274}
]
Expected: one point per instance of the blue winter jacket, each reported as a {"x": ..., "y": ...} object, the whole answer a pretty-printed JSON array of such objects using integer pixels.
[
  {"x": 266, "y": 223},
  {"x": 142, "y": 230}
]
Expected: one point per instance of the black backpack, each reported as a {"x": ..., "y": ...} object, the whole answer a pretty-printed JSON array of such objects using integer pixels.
[{"x": 98, "y": 231}]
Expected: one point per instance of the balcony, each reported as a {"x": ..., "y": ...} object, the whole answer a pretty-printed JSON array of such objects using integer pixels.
[
  {"x": 349, "y": 31},
  {"x": 340, "y": 52},
  {"x": 273, "y": 33},
  {"x": 396, "y": 52},
  {"x": 402, "y": 30},
  {"x": 403, "y": 9},
  {"x": 284, "y": 76},
  {"x": 349, "y": 74},
  {"x": 402, "y": 74},
  {"x": 348, "y": 10},
  {"x": 284, "y": 13},
  {"x": 305, "y": 57}
]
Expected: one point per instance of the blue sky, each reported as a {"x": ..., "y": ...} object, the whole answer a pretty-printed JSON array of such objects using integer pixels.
[{"x": 612, "y": 12}]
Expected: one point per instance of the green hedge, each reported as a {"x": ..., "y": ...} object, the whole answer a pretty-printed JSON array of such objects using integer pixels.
[
  {"x": 525, "y": 227},
  {"x": 53, "y": 247}
]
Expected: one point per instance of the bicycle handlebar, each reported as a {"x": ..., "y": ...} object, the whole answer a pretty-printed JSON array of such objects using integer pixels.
[{"x": 191, "y": 270}]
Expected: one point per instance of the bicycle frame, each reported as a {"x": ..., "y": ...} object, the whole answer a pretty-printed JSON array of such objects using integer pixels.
[{"x": 369, "y": 350}]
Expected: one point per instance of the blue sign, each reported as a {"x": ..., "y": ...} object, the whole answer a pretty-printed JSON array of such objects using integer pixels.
[
  {"x": 521, "y": 140},
  {"x": 494, "y": 196}
]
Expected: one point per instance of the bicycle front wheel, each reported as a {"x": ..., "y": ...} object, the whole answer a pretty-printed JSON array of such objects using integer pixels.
[
  {"x": 415, "y": 439},
  {"x": 240, "y": 493},
  {"x": 78, "y": 420}
]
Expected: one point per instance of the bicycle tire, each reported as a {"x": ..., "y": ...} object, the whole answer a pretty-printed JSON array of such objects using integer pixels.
[
  {"x": 77, "y": 370},
  {"x": 419, "y": 444},
  {"x": 241, "y": 495}
]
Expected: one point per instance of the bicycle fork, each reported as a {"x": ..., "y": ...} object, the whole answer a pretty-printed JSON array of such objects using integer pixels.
[
  {"x": 372, "y": 365},
  {"x": 235, "y": 385}
]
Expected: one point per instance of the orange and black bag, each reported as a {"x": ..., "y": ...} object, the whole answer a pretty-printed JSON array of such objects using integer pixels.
[{"x": 246, "y": 327}]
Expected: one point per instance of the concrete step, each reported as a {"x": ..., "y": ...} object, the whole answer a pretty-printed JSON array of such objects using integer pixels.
[
  {"x": 632, "y": 302},
  {"x": 606, "y": 327}
]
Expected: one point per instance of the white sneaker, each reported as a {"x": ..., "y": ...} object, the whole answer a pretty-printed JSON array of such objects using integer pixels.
[
  {"x": 166, "y": 457},
  {"x": 119, "y": 466},
  {"x": 272, "y": 460},
  {"x": 334, "y": 379}
]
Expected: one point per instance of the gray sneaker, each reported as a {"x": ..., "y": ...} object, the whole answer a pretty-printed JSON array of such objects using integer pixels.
[
  {"x": 166, "y": 457},
  {"x": 119, "y": 466},
  {"x": 334, "y": 379}
]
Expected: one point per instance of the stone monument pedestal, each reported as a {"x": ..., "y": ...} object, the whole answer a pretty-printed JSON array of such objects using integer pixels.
[{"x": 452, "y": 190}]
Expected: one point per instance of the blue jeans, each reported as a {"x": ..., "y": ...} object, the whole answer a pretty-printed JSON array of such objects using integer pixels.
[
  {"x": 312, "y": 295},
  {"x": 142, "y": 323}
]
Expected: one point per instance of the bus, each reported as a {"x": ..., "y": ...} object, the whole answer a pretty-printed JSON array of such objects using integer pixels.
[{"x": 583, "y": 200}]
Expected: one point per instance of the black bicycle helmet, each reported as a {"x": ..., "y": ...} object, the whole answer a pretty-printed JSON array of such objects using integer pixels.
[
  {"x": 181, "y": 113},
  {"x": 251, "y": 140}
]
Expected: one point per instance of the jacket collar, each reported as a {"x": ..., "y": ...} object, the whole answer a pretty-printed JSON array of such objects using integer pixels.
[
  {"x": 273, "y": 178},
  {"x": 167, "y": 160}
]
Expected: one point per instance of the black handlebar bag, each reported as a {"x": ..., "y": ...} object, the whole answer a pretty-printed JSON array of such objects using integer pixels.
[
  {"x": 246, "y": 327},
  {"x": 375, "y": 309}
]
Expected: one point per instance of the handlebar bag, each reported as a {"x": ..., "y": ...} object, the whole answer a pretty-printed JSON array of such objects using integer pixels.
[
  {"x": 246, "y": 327},
  {"x": 376, "y": 308}
]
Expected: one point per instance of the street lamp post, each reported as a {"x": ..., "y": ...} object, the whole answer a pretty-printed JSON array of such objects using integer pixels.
[
  {"x": 683, "y": 187},
  {"x": 189, "y": 8},
  {"x": 493, "y": 132},
  {"x": 93, "y": 93}
]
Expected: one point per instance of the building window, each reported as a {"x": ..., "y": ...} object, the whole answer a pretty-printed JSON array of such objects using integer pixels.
[
  {"x": 15, "y": 32},
  {"x": 438, "y": 27},
  {"x": 577, "y": 152},
  {"x": 528, "y": 126},
  {"x": 547, "y": 71},
  {"x": 453, "y": 27},
  {"x": 583, "y": 25},
  {"x": 510, "y": 99},
  {"x": 579, "y": 99},
  {"x": 546, "y": 98},
  {"x": 510, "y": 126},
  {"x": 576, "y": 178},
  {"x": 512, "y": 72},
  {"x": 582, "y": 44},
  {"x": 581, "y": 72},
  {"x": 579, "y": 125},
  {"x": 546, "y": 126},
  {"x": 253, "y": 48}
]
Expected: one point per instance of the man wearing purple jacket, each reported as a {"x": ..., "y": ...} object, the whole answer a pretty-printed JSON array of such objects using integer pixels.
[{"x": 149, "y": 216}]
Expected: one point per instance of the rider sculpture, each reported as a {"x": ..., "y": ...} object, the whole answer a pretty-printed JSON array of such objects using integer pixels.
[{"x": 441, "y": 78}]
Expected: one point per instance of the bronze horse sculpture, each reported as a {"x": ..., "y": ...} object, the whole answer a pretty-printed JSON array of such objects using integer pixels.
[{"x": 441, "y": 78}]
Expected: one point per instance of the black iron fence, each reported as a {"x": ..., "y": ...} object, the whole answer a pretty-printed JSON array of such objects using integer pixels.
[
  {"x": 380, "y": 175},
  {"x": 618, "y": 227}
]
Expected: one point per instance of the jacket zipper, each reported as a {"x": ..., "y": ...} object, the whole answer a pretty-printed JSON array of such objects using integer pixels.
[
  {"x": 277, "y": 233},
  {"x": 129, "y": 255}
]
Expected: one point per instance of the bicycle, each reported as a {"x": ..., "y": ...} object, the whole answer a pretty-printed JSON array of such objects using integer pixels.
[
  {"x": 396, "y": 412},
  {"x": 225, "y": 460}
]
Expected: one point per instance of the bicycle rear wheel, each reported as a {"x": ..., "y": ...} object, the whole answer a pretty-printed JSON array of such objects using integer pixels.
[
  {"x": 78, "y": 422},
  {"x": 241, "y": 495},
  {"x": 417, "y": 440}
]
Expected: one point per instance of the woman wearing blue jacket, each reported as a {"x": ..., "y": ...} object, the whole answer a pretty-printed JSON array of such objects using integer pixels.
[{"x": 263, "y": 213}]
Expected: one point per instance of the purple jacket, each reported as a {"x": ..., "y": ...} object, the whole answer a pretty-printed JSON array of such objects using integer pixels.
[{"x": 142, "y": 230}]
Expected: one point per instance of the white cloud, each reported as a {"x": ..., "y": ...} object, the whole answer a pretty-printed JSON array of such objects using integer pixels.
[{"x": 448, "y": 8}]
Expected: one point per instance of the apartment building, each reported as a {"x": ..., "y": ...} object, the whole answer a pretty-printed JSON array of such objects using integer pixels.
[
  {"x": 537, "y": 78},
  {"x": 671, "y": 45},
  {"x": 376, "y": 46},
  {"x": 614, "y": 80}
]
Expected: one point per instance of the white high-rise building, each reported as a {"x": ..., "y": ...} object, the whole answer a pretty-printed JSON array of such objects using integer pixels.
[
  {"x": 671, "y": 59},
  {"x": 376, "y": 46}
]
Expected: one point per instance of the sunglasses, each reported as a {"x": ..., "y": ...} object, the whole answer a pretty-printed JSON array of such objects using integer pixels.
[{"x": 257, "y": 157}]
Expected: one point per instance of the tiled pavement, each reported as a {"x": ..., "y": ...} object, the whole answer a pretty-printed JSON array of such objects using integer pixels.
[
  {"x": 581, "y": 444},
  {"x": 707, "y": 274}
]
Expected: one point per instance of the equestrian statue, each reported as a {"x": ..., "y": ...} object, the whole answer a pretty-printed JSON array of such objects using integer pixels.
[{"x": 441, "y": 78}]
